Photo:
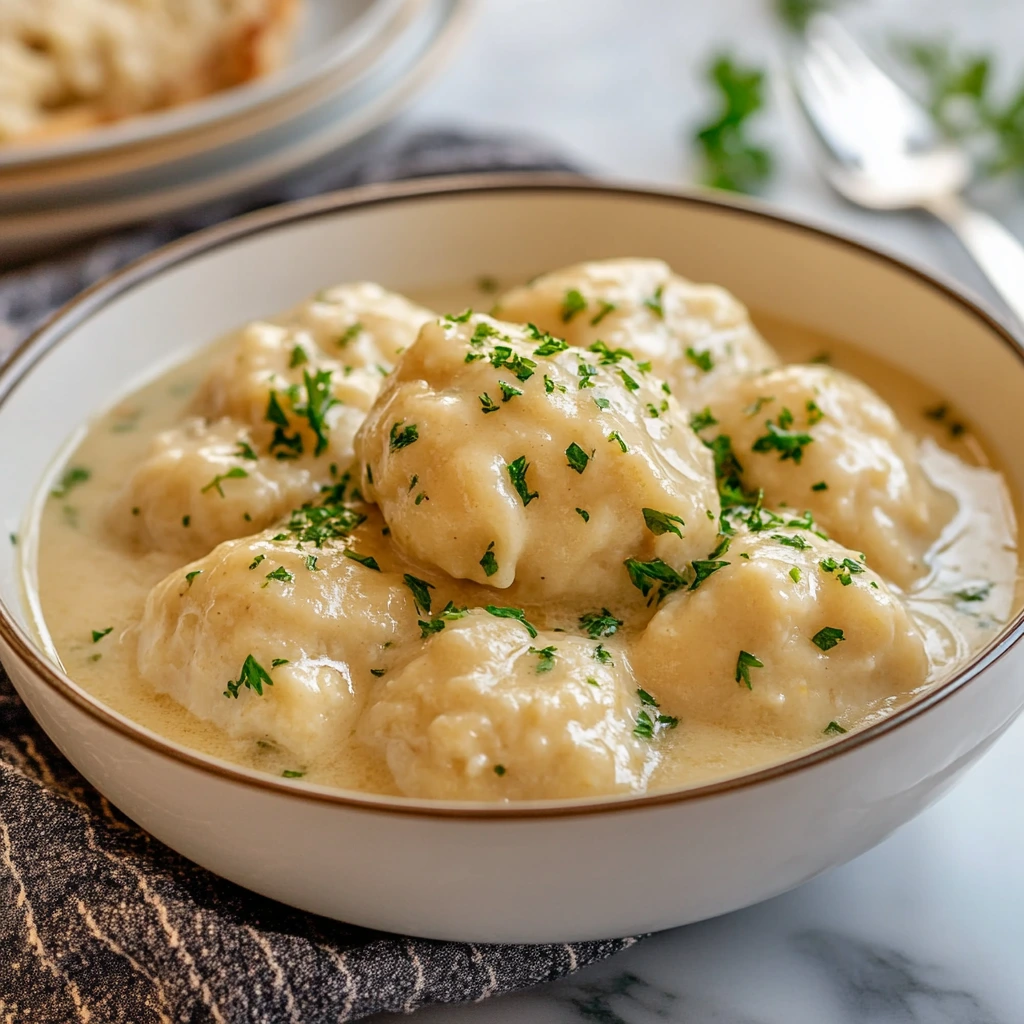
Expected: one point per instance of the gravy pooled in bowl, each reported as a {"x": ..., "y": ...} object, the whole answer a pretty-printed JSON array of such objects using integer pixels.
[{"x": 605, "y": 538}]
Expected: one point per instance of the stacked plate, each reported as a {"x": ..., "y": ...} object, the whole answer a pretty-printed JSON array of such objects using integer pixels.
[{"x": 355, "y": 64}]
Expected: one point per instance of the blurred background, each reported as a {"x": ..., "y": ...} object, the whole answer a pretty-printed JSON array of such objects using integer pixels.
[{"x": 666, "y": 92}]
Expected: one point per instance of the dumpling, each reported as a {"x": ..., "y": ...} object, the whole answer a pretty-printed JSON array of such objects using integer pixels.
[
  {"x": 202, "y": 484},
  {"x": 303, "y": 383},
  {"x": 693, "y": 334},
  {"x": 499, "y": 455},
  {"x": 814, "y": 438},
  {"x": 791, "y": 633},
  {"x": 488, "y": 711},
  {"x": 274, "y": 641}
]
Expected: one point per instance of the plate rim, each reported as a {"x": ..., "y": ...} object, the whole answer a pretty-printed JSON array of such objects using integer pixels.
[{"x": 66, "y": 320}]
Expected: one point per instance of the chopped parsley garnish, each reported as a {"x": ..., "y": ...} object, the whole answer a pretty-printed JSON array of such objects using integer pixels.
[
  {"x": 522, "y": 367},
  {"x": 603, "y": 655},
  {"x": 847, "y": 568},
  {"x": 281, "y": 574},
  {"x": 601, "y": 403},
  {"x": 646, "y": 699},
  {"x": 99, "y": 634},
  {"x": 290, "y": 445},
  {"x": 235, "y": 473},
  {"x": 814, "y": 413},
  {"x": 827, "y": 638},
  {"x": 517, "y": 474},
  {"x": 256, "y": 561},
  {"x": 277, "y": 662},
  {"x": 604, "y": 308},
  {"x": 976, "y": 593},
  {"x": 654, "y": 304},
  {"x": 755, "y": 407},
  {"x": 789, "y": 443},
  {"x": 71, "y": 478},
  {"x": 731, "y": 159},
  {"x": 253, "y": 676},
  {"x": 482, "y": 332},
  {"x": 631, "y": 385},
  {"x": 662, "y": 522},
  {"x": 644, "y": 727},
  {"x": 819, "y": 486},
  {"x": 311, "y": 563},
  {"x": 617, "y": 438},
  {"x": 421, "y": 497},
  {"x": 459, "y": 318},
  {"x": 186, "y": 521},
  {"x": 507, "y": 392},
  {"x": 702, "y": 569},
  {"x": 489, "y": 563},
  {"x": 512, "y": 613},
  {"x": 190, "y": 576},
  {"x": 703, "y": 419},
  {"x": 572, "y": 304},
  {"x": 315, "y": 524},
  {"x": 577, "y": 457},
  {"x": 289, "y": 773},
  {"x": 447, "y": 614},
  {"x": 609, "y": 356},
  {"x": 298, "y": 357},
  {"x": 599, "y": 624},
  {"x": 420, "y": 590},
  {"x": 586, "y": 372},
  {"x": 499, "y": 770},
  {"x": 318, "y": 401},
  {"x": 551, "y": 386},
  {"x": 744, "y": 664},
  {"x": 583, "y": 514},
  {"x": 350, "y": 334},
  {"x": 245, "y": 451},
  {"x": 378, "y": 672},
  {"x": 549, "y": 346},
  {"x": 368, "y": 560},
  {"x": 702, "y": 360},
  {"x": 487, "y": 404},
  {"x": 644, "y": 576},
  {"x": 546, "y": 656},
  {"x": 833, "y": 729},
  {"x": 402, "y": 436},
  {"x": 795, "y": 574}
]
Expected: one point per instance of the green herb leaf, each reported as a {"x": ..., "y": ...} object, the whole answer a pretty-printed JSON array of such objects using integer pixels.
[
  {"x": 488, "y": 404},
  {"x": 288, "y": 773},
  {"x": 507, "y": 391},
  {"x": 631, "y": 385},
  {"x": 235, "y": 473},
  {"x": 827, "y": 638},
  {"x": 489, "y": 563},
  {"x": 253, "y": 676},
  {"x": 599, "y": 624},
  {"x": 583, "y": 514},
  {"x": 744, "y": 664},
  {"x": 645, "y": 575},
  {"x": 420, "y": 590},
  {"x": 281, "y": 574},
  {"x": 368, "y": 560},
  {"x": 298, "y": 357},
  {"x": 572, "y": 304},
  {"x": 549, "y": 346},
  {"x": 546, "y": 656},
  {"x": 617, "y": 438},
  {"x": 974, "y": 593},
  {"x": 654, "y": 304},
  {"x": 245, "y": 451},
  {"x": 703, "y": 419},
  {"x": 277, "y": 662},
  {"x": 604, "y": 308},
  {"x": 499, "y": 770},
  {"x": 512, "y": 613},
  {"x": 190, "y": 576},
  {"x": 833, "y": 729},
  {"x": 646, "y": 699},
  {"x": 702, "y": 360},
  {"x": 517, "y": 474},
  {"x": 350, "y": 334},
  {"x": 71, "y": 478},
  {"x": 662, "y": 522},
  {"x": 577, "y": 457},
  {"x": 99, "y": 634},
  {"x": 794, "y": 574},
  {"x": 402, "y": 436},
  {"x": 789, "y": 443}
]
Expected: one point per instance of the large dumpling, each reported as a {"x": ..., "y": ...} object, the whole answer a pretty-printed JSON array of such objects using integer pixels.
[
  {"x": 202, "y": 484},
  {"x": 302, "y": 384},
  {"x": 789, "y": 634},
  {"x": 277, "y": 639},
  {"x": 693, "y": 334},
  {"x": 500, "y": 455},
  {"x": 488, "y": 711},
  {"x": 814, "y": 438}
]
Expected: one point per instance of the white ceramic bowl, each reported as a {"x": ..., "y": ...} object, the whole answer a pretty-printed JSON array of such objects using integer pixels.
[{"x": 531, "y": 872}]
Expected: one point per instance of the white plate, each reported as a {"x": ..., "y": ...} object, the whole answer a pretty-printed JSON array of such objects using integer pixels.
[
  {"x": 249, "y": 163},
  {"x": 531, "y": 872},
  {"x": 333, "y": 33},
  {"x": 126, "y": 169}
]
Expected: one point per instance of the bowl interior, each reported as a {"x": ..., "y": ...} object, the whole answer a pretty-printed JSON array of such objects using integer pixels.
[{"x": 414, "y": 239}]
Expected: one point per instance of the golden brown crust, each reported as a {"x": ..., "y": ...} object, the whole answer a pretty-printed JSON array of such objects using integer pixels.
[{"x": 258, "y": 47}]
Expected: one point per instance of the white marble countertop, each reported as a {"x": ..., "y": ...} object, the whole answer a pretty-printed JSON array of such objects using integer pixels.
[{"x": 929, "y": 926}]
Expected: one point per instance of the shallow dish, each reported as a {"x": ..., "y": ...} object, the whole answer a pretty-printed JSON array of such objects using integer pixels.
[{"x": 534, "y": 872}]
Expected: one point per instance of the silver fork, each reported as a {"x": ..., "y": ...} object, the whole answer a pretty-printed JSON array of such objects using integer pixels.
[{"x": 883, "y": 151}]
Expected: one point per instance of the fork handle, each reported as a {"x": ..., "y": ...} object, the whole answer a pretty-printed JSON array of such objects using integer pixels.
[{"x": 998, "y": 253}]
